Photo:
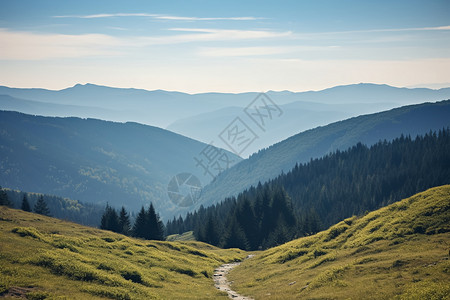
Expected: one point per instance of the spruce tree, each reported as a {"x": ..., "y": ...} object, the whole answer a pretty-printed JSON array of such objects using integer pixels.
[
  {"x": 235, "y": 236},
  {"x": 247, "y": 220},
  {"x": 41, "y": 207},
  {"x": 140, "y": 224},
  {"x": 4, "y": 200},
  {"x": 124, "y": 222},
  {"x": 155, "y": 227},
  {"x": 110, "y": 219},
  {"x": 211, "y": 234},
  {"x": 25, "y": 204}
]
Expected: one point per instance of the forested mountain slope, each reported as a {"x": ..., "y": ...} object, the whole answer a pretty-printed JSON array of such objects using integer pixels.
[
  {"x": 95, "y": 161},
  {"x": 322, "y": 192},
  {"x": 367, "y": 129}
]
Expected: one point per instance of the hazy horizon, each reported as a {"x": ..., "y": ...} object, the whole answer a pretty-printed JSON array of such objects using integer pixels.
[
  {"x": 431, "y": 86},
  {"x": 228, "y": 47}
]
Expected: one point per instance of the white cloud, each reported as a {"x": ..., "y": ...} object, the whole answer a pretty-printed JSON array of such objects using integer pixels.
[
  {"x": 18, "y": 45},
  {"x": 257, "y": 51},
  {"x": 159, "y": 17},
  {"x": 438, "y": 28},
  {"x": 31, "y": 46},
  {"x": 242, "y": 51},
  {"x": 409, "y": 29},
  {"x": 209, "y": 34}
]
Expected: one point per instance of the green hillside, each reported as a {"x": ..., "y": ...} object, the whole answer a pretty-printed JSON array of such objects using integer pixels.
[
  {"x": 96, "y": 161},
  {"x": 400, "y": 251},
  {"x": 367, "y": 129},
  {"x": 88, "y": 214},
  {"x": 46, "y": 258}
]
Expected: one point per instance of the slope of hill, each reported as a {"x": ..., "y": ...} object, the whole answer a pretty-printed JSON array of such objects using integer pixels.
[
  {"x": 95, "y": 161},
  {"x": 88, "y": 214},
  {"x": 314, "y": 143},
  {"x": 398, "y": 252},
  {"x": 57, "y": 110},
  {"x": 296, "y": 117},
  {"x": 45, "y": 258},
  {"x": 322, "y": 192}
]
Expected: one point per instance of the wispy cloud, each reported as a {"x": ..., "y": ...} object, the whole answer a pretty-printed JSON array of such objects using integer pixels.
[
  {"x": 258, "y": 51},
  {"x": 437, "y": 28},
  {"x": 409, "y": 29},
  {"x": 159, "y": 17},
  {"x": 21, "y": 45},
  {"x": 18, "y": 45},
  {"x": 193, "y": 35},
  {"x": 211, "y": 34}
]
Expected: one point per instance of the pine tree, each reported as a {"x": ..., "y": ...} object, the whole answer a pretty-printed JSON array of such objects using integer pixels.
[
  {"x": 4, "y": 200},
  {"x": 235, "y": 236},
  {"x": 247, "y": 221},
  {"x": 140, "y": 224},
  {"x": 211, "y": 234},
  {"x": 155, "y": 227},
  {"x": 124, "y": 222},
  {"x": 25, "y": 204},
  {"x": 110, "y": 219},
  {"x": 41, "y": 207}
]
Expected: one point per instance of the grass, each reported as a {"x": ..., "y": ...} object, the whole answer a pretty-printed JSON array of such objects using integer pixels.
[
  {"x": 187, "y": 236},
  {"x": 398, "y": 252},
  {"x": 46, "y": 258}
]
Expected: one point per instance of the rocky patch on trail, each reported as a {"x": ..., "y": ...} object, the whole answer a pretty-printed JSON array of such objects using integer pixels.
[{"x": 221, "y": 282}]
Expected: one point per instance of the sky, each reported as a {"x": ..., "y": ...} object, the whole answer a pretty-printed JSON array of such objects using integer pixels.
[{"x": 224, "y": 46}]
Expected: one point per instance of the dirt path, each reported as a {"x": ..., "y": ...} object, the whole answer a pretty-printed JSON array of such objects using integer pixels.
[{"x": 221, "y": 282}]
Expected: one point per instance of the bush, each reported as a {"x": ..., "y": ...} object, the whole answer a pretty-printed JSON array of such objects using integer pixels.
[
  {"x": 134, "y": 276},
  {"x": 27, "y": 231},
  {"x": 335, "y": 232},
  {"x": 290, "y": 255},
  {"x": 184, "y": 271},
  {"x": 104, "y": 267},
  {"x": 37, "y": 295},
  {"x": 319, "y": 252}
]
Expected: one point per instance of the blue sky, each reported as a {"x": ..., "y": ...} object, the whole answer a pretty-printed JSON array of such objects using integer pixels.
[{"x": 224, "y": 46}]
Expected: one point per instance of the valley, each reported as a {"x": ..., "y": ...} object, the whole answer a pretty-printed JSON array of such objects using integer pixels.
[
  {"x": 245, "y": 150},
  {"x": 398, "y": 251}
]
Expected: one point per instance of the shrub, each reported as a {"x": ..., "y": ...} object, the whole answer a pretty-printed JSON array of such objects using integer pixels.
[
  {"x": 27, "y": 231},
  {"x": 105, "y": 267},
  {"x": 290, "y": 255},
  {"x": 319, "y": 252},
  {"x": 37, "y": 295},
  {"x": 184, "y": 271},
  {"x": 134, "y": 276},
  {"x": 335, "y": 232}
]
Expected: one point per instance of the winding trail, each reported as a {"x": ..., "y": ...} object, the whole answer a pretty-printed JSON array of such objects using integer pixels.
[{"x": 221, "y": 282}]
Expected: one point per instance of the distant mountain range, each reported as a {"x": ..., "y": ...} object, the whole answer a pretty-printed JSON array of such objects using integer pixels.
[
  {"x": 129, "y": 163},
  {"x": 97, "y": 161},
  {"x": 204, "y": 116},
  {"x": 314, "y": 143}
]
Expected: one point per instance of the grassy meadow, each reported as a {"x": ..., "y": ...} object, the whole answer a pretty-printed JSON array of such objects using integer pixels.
[
  {"x": 397, "y": 252},
  {"x": 46, "y": 258}
]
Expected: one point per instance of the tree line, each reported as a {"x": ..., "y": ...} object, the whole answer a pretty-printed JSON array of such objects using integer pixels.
[
  {"x": 314, "y": 195},
  {"x": 58, "y": 207},
  {"x": 147, "y": 225},
  {"x": 40, "y": 207}
]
